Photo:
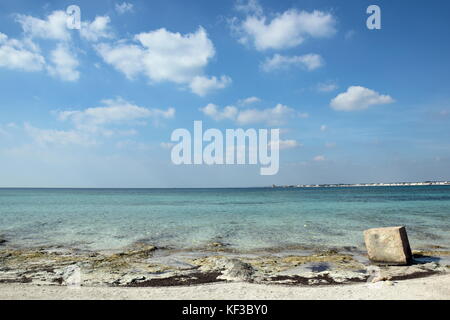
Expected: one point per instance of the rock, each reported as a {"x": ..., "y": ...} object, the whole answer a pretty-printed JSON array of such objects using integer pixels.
[
  {"x": 234, "y": 270},
  {"x": 344, "y": 276},
  {"x": 71, "y": 276},
  {"x": 2, "y": 240},
  {"x": 218, "y": 246},
  {"x": 128, "y": 279},
  {"x": 409, "y": 272},
  {"x": 388, "y": 245}
]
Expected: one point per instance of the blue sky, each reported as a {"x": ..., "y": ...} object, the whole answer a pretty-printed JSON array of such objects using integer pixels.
[{"x": 96, "y": 107}]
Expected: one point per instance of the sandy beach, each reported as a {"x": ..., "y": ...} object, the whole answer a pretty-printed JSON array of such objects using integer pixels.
[{"x": 433, "y": 287}]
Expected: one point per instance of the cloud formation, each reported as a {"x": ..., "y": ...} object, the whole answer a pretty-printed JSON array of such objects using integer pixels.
[
  {"x": 114, "y": 118},
  {"x": 46, "y": 137},
  {"x": 286, "y": 30},
  {"x": 60, "y": 62},
  {"x": 162, "y": 55},
  {"x": 213, "y": 111},
  {"x": 20, "y": 54},
  {"x": 53, "y": 27},
  {"x": 327, "y": 86},
  {"x": 287, "y": 144},
  {"x": 114, "y": 111},
  {"x": 97, "y": 29},
  {"x": 248, "y": 101},
  {"x": 123, "y": 7},
  {"x": 307, "y": 62},
  {"x": 270, "y": 116},
  {"x": 359, "y": 98},
  {"x": 202, "y": 85},
  {"x": 319, "y": 158},
  {"x": 63, "y": 64}
]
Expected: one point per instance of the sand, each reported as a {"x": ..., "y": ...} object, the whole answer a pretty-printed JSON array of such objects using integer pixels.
[{"x": 433, "y": 287}]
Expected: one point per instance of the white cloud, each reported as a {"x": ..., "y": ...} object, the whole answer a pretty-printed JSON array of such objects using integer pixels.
[
  {"x": 327, "y": 86},
  {"x": 249, "y": 100},
  {"x": 330, "y": 144},
  {"x": 275, "y": 116},
  {"x": 249, "y": 7},
  {"x": 53, "y": 27},
  {"x": 90, "y": 124},
  {"x": 308, "y": 62},
  {"x": 58, "y": 137},
  {"x": 202, "y": 85},
  {"x": 125, "y": 58},
  {"x": 115, "y": 111},
  {"x": 97, "y": 29},
  {"x": 162, "y": 55},
  {"x": 175, "y": 57},
  {"x": 287, "y": 144},
  {"x": 286, "y": 30},
  {"x": 270, "y": 116},
  {"x": 359, "y": 98},
  {"x": 213, "y": 111},
  {"x": 323, "y": 128},
  {"x": 124, "y": 7},
  {"x": 20, "y": 54},
  {"x": 63, "y": 64},
  {"x": 319, "y": 158}
]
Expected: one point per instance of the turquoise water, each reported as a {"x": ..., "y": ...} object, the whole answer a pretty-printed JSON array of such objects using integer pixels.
[{"x": 242, "y": 218}]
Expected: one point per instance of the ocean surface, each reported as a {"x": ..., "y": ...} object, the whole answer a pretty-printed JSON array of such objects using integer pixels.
[{"x": 244, "y": 219}]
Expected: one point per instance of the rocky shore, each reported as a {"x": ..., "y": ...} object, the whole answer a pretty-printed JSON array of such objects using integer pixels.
[{"x": 144, "y": 265}]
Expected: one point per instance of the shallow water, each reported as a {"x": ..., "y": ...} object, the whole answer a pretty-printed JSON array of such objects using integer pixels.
[{"x": 245, "y": 219}]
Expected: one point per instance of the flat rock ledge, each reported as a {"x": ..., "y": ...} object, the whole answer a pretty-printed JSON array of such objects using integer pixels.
[{"x": 146, "y": 266}]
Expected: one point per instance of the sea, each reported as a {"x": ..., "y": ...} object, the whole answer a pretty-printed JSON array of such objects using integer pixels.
[{"x": 243, "y": 219}]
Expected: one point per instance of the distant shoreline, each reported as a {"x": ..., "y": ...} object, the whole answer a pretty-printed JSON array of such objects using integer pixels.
[
  {"x": 381, "y": 184},
  {"x": 325, "y": 185}
]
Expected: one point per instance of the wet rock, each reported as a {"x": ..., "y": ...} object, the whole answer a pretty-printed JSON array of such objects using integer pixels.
[
  {"x": 430, "y": 253},
  {"x": 320, "y": 278},
  {"x": 317, "y": 281},
  {"x": 139, "y": 251},
  {"x": 218, "y": 246},
  {"x": 2, "y": 240},
  {"x": 235, "y": 270},
  {"x": 70, "y": 275},
  {"x": 129, "y": 279},
  {"x": 231, "y": 269},
  {"x": 343, "y": 276},
  {"x": 173, "y": 262},
  {"x": 407, "y": 272},
  {"x": 388, "y": 245}
]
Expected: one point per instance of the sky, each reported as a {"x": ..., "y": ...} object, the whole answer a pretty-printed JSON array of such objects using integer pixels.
[{"x": 96, "y": 106}]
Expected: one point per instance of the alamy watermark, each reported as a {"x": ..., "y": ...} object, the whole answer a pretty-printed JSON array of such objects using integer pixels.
[
  {"x": 236, "y": 147},
  {"x": 73, "y": 17},
  {"x": 374, "y": 20}
]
